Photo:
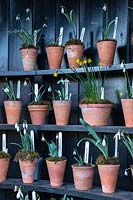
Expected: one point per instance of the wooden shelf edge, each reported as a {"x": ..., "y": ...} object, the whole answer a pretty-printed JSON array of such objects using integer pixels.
[
  {"x": 63, "y": 71},
  {"x": 68, "y": 188},
  {"x": 70, "y": 128}
]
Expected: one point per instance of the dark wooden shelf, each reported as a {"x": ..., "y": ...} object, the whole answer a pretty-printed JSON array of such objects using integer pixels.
[
  {"x": 68, "y": 188},
  {"x": 70, "y": 128},
  {"x": 113, "y": 68}
]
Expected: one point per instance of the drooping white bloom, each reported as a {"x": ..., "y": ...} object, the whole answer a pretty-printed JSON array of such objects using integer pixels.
[
  {"x": 28, "y": 19},
  {"x": 44, "y": 25},
  {"x": 6, "y": 90},
  {"x": 125, "y": 173},
  {"x": 18, "y": 17},
  {"x": 105, "y": 7},
  {"x": 27, "y": 10},
  {"x": 19, "y": 194},
  {"x": 25, "y": 83},
  {"x": 62, "y": 10},
  {"x": 24, "y": 131},
  {"x": 74, "y": 152}
]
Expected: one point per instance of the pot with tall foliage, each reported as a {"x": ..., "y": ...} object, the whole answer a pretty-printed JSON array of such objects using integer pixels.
[
  {"x": 95, "y": 109},
  {"x": 56, "y": 164},
  {"x": 83, "y": 172},
  {"x": 127, "y": 99},
  {"x": 38, "y": 107},
  {"x": 62, "y": 103},
  {"x": 13, "y": 106},
  {"x": 106, "y": 47},
  {"x": 26, "y": 156},
  {"x": 29, "y": 40},
  {"x": 74, "y": 46},
  {"x": 108, "y": 167}
]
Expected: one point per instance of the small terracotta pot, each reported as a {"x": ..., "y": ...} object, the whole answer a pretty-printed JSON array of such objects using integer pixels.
[
  {"x": 127, "y": 106},
  {"x": 54, "y": 55},
  {"x": 13, "y": 111},
  {"x": 4, "y": 164},
  {"x": 96, "y": 114},
  {"x": 38, "y": 114},
  {"x": 108, "y": 176},
  {"x": 29, "y": 56},
  {"x": 83, "y": 176},
  {"x": 27, "y": 170},
  {"x": 56, "y": 172},
  {"x": 106, "y": 51},
  {"x": 131, "y": 167},
  {"x": 74, "y": 52},
  {"x": 62, "y": 111}
]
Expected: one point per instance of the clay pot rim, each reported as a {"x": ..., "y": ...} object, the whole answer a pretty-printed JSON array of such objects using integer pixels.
[
  {"x": 61, "y": 47},
  {"x": 107, "y": 40},
  {"x": 37, "y": 107},
  {"x": 97, "y": 105},
  {"x": 22, "y": 48},
  {"x": 126, "y": 99},
  {"x": 4, "y": 159},
  {"x": 62, "y": 101},
  {"x": 109, "y": 165},
  {"x": 131, "y": 166},
  {"x": 83, "y": 167},
  {"x": 12, "y": 100},
  {"x": 60, "y": 161},
  {"x": 28, "y": 161}
]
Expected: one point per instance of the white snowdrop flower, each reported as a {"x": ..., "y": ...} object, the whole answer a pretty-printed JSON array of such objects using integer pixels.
[
  {"x": 62, "y": 10},
  {"x": 18, "y": 17},
  {"x": 25, "y": 83},
  {"x": 122, "y": 65},
  {"x": 44, "y": 25},
  {"x": 27, "y": 10},
  {"x": 16, "y": 125},
  {"x": 49, "y": 88},
  {"x": 43, "y": 138},
  {"x": 18, "y": 129},
  {"x": 124, "y": 69},
  {"x": 125, "y": 173},
  {"x": 19, "y": 194},
  {"x": 24, "y": 125},
  {"x": 57, "y": 136},
  {"x": 24, "y": 131},
  {"x": 15, "y": 188},
  {"x": 104, "y": 142},
  {"x": 28, "y": 19},
  {"x": 6, "y": 90},
  {"x": 105, "y": 7},
  {"x": 74, "y": 152}
]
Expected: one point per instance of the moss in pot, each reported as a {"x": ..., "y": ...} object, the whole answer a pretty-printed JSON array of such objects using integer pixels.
[
  {"x": 108, "y": 166},
  {"x": 55, "y": 164}
]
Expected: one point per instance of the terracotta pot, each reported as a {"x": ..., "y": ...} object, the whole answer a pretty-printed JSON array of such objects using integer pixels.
[
  {"x": 56, "y": 172},
  {"x": 62, "y": 111},
  {"x": 27, "y": 170},
  {"x": 13, "y": 111},
  {"x": 108, "y": 176},
  {"x": 106, "y": 51},
  {"x": 127, "y": 106},
  {"x": 54, "y": 55},
  {"x": 131, "y": 167},
  {"x": 29, "y": 56},
  {"x": 38, "y": 114},
  {"x": 74, "y": 52},
  {"x": 96, "y": 114},
  {"x": 83, "y": 177},
  {"x": 4, "y": 164}
]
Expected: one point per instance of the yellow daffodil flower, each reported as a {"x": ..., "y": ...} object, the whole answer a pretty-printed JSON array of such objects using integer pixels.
[
  {"x": 78, "y": 61},
  {"x": 80, "y": 64},
  {"x": 89, "y": 60},
  {"x": 55, "y": 74},
  {"x": 85, "y": 61},
  {"x": 100, "y": 64}
]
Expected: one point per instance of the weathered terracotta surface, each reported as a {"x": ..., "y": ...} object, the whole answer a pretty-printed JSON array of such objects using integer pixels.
[
  {"x": 56, "y": 172},
  {"x": 54, "y": 55},
  {"x": 96, "y": 114},
  {"x": 127, "y": 106},
  {"x": 27, "y": 170},
  {"x": 108, "y": 176},
  {"x": 38, "y": 114},
  {"x": 4, "y": 164},
  {"x": 74, "y": 52},
  {"x": 62, "y": 111},
  {"x": 106, "y": 51},
  {"x": 83, "y": 177},
  {"x": 29, "y": 57},
  {"x": 13, "y": 111}
]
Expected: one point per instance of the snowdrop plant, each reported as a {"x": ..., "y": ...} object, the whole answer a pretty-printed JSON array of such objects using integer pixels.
[
  {"x": 9, "y": 89},
  {"x": 64, "y": 198},
  {"x": 21, "y": 196}
]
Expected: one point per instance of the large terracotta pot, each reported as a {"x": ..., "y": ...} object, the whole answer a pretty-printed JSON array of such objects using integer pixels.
[
  {"x": 54, "y": 55},
  {"x": 74, "y": 52},
  {"x": 108, "y": 176},
  {"x": 29, "y": 56},
  {"x": 56, "y": 172},
  {"x": 83, "y": 177},
  {"x": 127, "y": 106},
  {"x": 106, "y": 51},
  {"x": 4, "y": 164},
  {"x": 62, "y": 111},
  {"x": 96, "y": 114},
  {"x": 38, "y": 114},
  {"x": 13, "y": 111},
  {"x": 27, "y": 170}
]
